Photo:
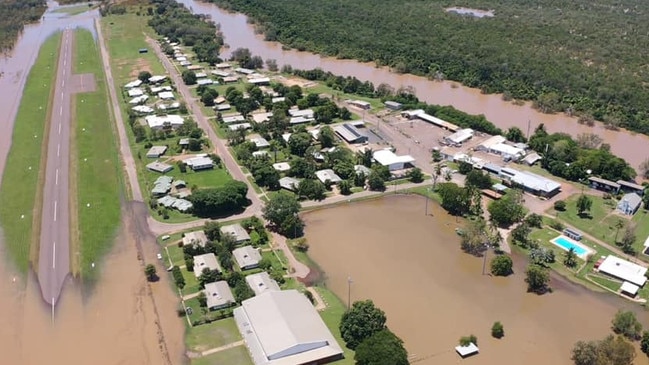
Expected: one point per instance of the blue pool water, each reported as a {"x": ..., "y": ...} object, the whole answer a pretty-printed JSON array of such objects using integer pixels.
[{"x": 567, "y": 245}]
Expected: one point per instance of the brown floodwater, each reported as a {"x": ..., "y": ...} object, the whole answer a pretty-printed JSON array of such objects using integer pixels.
[
  {"x": 238, "y": 33},
  {"x": 411, "y": 266},
  {"x": 121, "y": 320}
]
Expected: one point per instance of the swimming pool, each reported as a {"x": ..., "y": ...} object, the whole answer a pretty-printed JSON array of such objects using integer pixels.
[{"x": 567, "y": 244}]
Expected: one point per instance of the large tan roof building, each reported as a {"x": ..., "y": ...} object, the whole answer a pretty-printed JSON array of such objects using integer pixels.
[{"x": 283, "y": 328}]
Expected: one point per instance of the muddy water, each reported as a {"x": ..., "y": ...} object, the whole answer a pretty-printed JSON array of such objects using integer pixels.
[
  {"x": 411, "y": 266},
  {"x": 122, "y": 321},
  {"x": 238, "y": 33}
]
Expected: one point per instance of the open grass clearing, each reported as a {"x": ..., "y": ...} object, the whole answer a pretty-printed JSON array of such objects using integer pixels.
[
  {"x": 191, "y": 282},
  {"x": 210, "y": 335},
  {"x": 74, "y": 9},
  {"x": 98, "y": 168},
  {"x": 234, "y": 356},
  {"x": 18, "y": 214},
  {"x": 599, "y": 222},
  {"x": 331, "y": 317},
  {"x": 321, "y": 88}
]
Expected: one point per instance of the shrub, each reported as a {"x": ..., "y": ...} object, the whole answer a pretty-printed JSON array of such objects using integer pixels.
[
  {"x": 497, "y": 330},
  {"x": 466, "y": 340},
  {"x": 501, "y": 265},
  {"x": 560, "y": 205}
]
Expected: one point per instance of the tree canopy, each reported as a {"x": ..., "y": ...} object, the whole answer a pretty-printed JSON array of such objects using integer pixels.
[
  {"x": 220, "y": 201},
  {"x": 360, "y": 322},
  {"x": 282, "y": 212},
  {"x": 381, "y": 348}
]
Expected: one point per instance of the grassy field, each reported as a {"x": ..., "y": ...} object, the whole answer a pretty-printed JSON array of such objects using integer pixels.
[
  {"x": 234, "y": 356},
  {"x": 97, "y": 169},
  {"x": 331, "y": 317},
  {"x": 18, "y": 215},
  {"x": 74, "y": 10},
  {"x": 211, "y": 335}
]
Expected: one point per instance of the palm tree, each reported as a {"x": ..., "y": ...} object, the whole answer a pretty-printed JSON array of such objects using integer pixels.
[
  {"x": 437, "y": 172},
  {"x": 570, "y": 258},
  {"x": 619, "y": 224}
]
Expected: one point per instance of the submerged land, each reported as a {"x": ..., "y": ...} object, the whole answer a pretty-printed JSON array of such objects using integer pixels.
[{"x": 203, "y": 185}]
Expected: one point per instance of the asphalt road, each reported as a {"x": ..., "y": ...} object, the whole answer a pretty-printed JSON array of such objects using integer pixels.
[{"x": 54, "y": 255}]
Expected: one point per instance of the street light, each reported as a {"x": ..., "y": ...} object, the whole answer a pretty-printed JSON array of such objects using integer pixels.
[{"x": 349, "y": 292}]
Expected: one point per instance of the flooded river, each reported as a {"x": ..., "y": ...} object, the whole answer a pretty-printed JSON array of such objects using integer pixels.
[
  {"x": 238, "y": 33},
  {"x": 412, "y": 267}
]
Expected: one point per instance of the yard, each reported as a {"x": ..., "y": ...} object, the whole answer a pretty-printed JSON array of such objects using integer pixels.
[
  {"x": 19, "y": 211},
  {"x": 216, "y": 334},
  {"x": 331, "y": 317},
  {"x": 234, "y": 356},
  {"x": 95, "y": 161}
]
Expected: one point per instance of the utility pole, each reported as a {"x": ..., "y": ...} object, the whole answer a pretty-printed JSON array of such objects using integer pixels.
[
  {"x": 349, "y": 292},
  {"x": 528, "y": 129},
  {"x": 484, "y": 259}
]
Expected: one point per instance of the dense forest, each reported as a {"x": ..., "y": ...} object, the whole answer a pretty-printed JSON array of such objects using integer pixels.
[
  {"x": 173, "y": 20},
  {"x": 582, "y": 57},
  {"x": 14, "y": 14}
]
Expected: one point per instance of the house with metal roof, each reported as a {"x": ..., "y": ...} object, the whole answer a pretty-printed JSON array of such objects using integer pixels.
[
  {"x": 531, "y": 182},
  {"x": 283, "y": 328},
  {"x": 259, "y": 141},
  {"x": 393, "y": 105},
  {"x": 218, "y": 295},
  {"x": 237, "y": 232},
  {"x": 206, "y": 261},
  {"x": 623, "y": 270},
  {"x": 195, "y": 238},
  {"x": 159, "y": 167},
  {"x": 289, "y": 183},
  {"x": 459, "y": 137},
  {"x": 199, "y": 163},
  {"x": 392, "y": 161},
  {"x": 282, "y": 166},
  {"x": 156, "y": 151},
  {"x": 237, "y": 118},
  {"x": 362, "y": 169},
  {"x": 603, "y": 184},
  {"x": 631, "y": 187},
  {"x": 361, "y": 104},
  {"x": 328, "y": 174},
  {"x": 261, "y": 282},
  {"x": 350, "y": 133},
  {"x": 306, "y": 113},
  {"x": 236, "y": 127},
  {"x": 629, "y": 204},
  {"x": 160, "y": 121},
  {"x": 161, "y": 185},
  {"x": 247, "y": 257}
]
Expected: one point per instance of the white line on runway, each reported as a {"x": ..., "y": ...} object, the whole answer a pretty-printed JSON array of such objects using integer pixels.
[
  {"x": 58, "y": 148},
  {"x": 63, "y": 83},
  {"x": 54, "y": 255},
  {"x": 65, "y": 61},
  {"x": 61, "y": 110},
  {"x": 55, "y": 203},
  {"x": 61, "y": 93},
  {"x": 59, "y": 127},
  {"x": 57, "y": 177}
]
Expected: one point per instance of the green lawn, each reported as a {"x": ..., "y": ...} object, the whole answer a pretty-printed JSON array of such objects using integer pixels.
[
  {"x": 74, "y": 10},
  {"x": 176, "y": 254},
  {"x": 191, "y": 283},
  {"x": 234, "y": 356},
  {"x": 216, "y": 334},
  {"x": 18, "y": 213},
  {"x": 600, "y": 222},
  {"x": 331, "y": 317},
  {"x": 197, "y": 311},
  {"x": 97, "y": 161},
  {"x": 275, "y": 263},
  {"x": 641, "y": 219},
  {"x": 321, "y": 88}
]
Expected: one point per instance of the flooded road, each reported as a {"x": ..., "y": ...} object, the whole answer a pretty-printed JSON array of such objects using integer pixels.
[
  {"x": 238, "y": 33},
  {"x": 412, "y": 267},
  {"x": 123, "y": 320}
]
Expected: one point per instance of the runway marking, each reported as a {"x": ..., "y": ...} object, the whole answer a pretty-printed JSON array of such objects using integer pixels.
[
  {"x": 55, "y": 204},
  {"x": 63, "y": 83},
  {"x": 56, "y": 182},
  {"x": 54, "y": 255},
  {"x": 61, "y": 94},
  {"x": 61, "y": 110},
  {"x": 59, "y": 127},
  {"x": 65, "y": 61},
  {"x": 58, "y": 147}
]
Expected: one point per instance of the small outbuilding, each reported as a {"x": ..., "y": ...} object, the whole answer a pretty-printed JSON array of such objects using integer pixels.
[
  {"x": 629, "y": 289},
  {"x": 466, "y": 351},
  {"x": 393, "y": 105},
  {"x": 631, "y": 187}
]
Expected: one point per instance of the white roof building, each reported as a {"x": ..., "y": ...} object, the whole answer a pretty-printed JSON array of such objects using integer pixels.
[
  {"x": 282, "y": 166},
  {"x": 306, "y": 113},
  {"x": 467, "y": 350},
  {"x": 392, "y": 161},
  {"x": 139, "y": 99},
  {"x": 244, "y": 71},
  {"x": 247, "y": 257},
  {"x": 218, "y": 295},
  {"x": 166, "y": 95},
  {"x": 286, "y": 136},
  {"x": 236, "y": 127},
  {"x": 623, "y": 270},
  {"x": 260, "y": 142},
  {"x": 156, "y": 151},
  {"x": 156, "y": 79},
  {"x": 157, "y": 122},
  {"x": 220, "y": 73},
  {"x": 195, "y": 238},
  {"x": 460, "y": 136},
  {"x": 233, "y": 119},
  {"x": 135, "y": 92},
  {"x": 289, "y": 183},
  {"x": 236, "y": 231},
  {"x": 260, "y": 81},
  {"x": 629, "y": 288},
  {"x": 204, "y": 82},
  {"x": 157, "y": 89},
  {"x": 160, "y": 167},
  {"x": 143, "y": 109},
  {"x": 300, "y": 120},
  {"x": 534, "y": 183},
  {"x": 261, "y": 283},
  {"x": 283, "y": 328},
  {"x": 328, "y": 174},
  {"x": 222, "y": 65},
  {"x": 134, "y": 83},
  {"x": 278, "y": 99},
  {"x": 206, "y": 261},
  {"x": 261, "y": 117},
  {"x": 199, "y": 163}
]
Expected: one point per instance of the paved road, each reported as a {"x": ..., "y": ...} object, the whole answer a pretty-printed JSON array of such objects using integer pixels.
[{"x": 54, "y": 256}]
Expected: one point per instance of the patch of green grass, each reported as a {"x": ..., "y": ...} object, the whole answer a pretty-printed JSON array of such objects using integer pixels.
[
  {"x": 197, "y": 310},
  {"x": 605, "y": 282},
  {"x": 176, "y": 254},
  {"x": 331, "y": 317},
  {"x": 98, "y": 168},
  {"x": 274, "y": 261},
  {"x": 191, "y": 283},
  {"x": 234, "y": 356},
  {"x": 641, "y": 219},
  {"x": 20, "y": 177},
  {"x": 595, "y": 222},
  {"x": 216, "y": 334},
  {"x": 321, "y": 88}
]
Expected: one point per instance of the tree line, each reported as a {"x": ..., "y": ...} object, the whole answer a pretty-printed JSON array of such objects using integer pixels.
[
  {"x": 173, "y": 20},
  {"x": 14, "y": 14},
  {"x": 580, "y": 57}
]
